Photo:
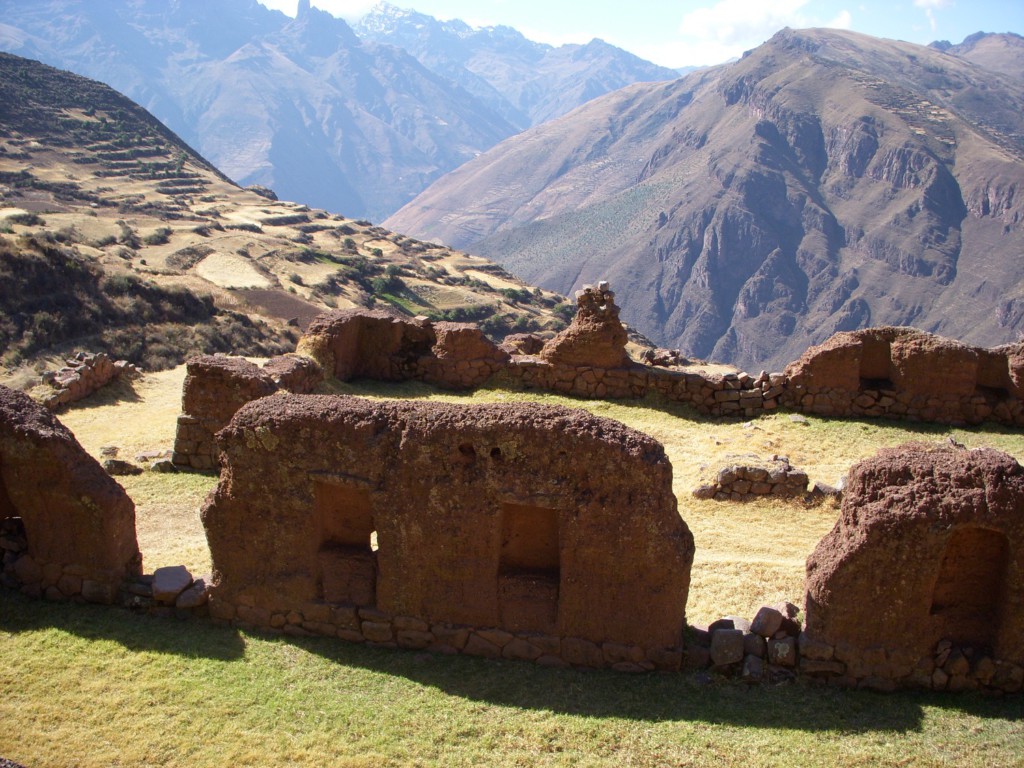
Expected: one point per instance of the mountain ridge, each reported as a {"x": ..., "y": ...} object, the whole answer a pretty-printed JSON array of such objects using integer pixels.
[
  {"x": 824, "y": 182},
  {"x": 300, "y": 105}
]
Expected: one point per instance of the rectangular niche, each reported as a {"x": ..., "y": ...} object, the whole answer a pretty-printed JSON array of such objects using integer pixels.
[
  {"x": 529, "y": 569},
  {"x": 967, "y": 599},
  {"x": 346, "y": 557},
  {"x": 875, "y": 364}
]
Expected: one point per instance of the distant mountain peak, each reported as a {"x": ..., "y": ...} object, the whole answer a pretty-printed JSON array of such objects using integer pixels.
[{"x": 303, "y": 9}]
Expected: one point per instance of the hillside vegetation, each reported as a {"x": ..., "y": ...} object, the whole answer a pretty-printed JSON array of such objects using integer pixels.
[{"x": 116, "y": 236}]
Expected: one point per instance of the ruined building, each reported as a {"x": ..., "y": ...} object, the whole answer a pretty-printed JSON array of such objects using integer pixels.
[{"x": 517, "y": 530}]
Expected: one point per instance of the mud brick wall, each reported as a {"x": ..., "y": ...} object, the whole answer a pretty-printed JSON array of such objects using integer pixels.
[
  {"x": 216, "y": 387},
  {"x": 520, "y": 531},
  {"x": 904, "y": 373},
  {"x": 920, "y": 582},
  {"x": 67, "y": 529}
]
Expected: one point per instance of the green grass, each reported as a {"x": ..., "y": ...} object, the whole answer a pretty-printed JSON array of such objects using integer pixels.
[
  {"x": 89, "y": 686},
  {"x": 127, "y": 690}
]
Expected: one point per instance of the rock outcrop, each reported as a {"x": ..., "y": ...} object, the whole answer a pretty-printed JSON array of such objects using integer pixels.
[
  {"x": 521, "y": 531},
  {"x": 918, "y": 583},
  {"x": 68, "y": 527}
]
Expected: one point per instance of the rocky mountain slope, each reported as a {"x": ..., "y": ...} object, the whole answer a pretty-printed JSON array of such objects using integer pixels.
[
  {"x": 827, "y": 181},
  {"x": 526, "y": 82},
  {"x": 116, "y": 236},
  {"x": 1001, "y": 53},
  {"x": 300, "y": 105}
]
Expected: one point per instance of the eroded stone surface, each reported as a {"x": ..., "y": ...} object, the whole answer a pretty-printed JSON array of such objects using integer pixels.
[
  {"x": 595, "y": 338},
  {"x": 76, "y": 523},
  {"x": 923, "y": 552},
  {"x": 527, "y": 519}
]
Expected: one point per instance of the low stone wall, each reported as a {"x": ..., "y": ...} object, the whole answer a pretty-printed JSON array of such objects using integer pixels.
[
  {"x": 754, "y": 478},
  {"x": 84, "y": 374}
]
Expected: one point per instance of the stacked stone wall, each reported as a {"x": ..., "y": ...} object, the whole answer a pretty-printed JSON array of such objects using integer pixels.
[
  {"x": 515, "y": 531},
  {"x": 84, "y": 374}
]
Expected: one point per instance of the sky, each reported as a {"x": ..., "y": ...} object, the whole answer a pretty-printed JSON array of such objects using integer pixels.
[{"x": 679, "y": 33}]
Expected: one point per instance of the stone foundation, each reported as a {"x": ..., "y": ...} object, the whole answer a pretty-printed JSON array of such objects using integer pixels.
[{"x": 84, "y": 374}]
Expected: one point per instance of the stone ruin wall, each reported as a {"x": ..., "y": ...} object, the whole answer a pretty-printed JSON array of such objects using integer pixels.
[
  {"x": 67, "y": 529},
  {"x": 216, "y": 387},
  {"x": 904, "y": 373},
  {"x": 898, "y": 373},
  {"x": 518, "y": 531},
  {"x": 84, "y": 374},
  {"x": 920, "y": 583}
]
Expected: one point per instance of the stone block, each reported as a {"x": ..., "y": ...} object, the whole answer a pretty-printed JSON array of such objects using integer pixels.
[{"x": 726, "y": 647}]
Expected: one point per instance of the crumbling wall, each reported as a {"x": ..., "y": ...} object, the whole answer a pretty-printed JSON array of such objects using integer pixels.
[
  {"x": 68, "y": 527},
  {"x": 521, "y": 531},
  {"x": 905, "y": 373},
  {"x": 920, "y": 582},
  {"x": 217, "y": 386},
  {"x": 84, "y": 374}
]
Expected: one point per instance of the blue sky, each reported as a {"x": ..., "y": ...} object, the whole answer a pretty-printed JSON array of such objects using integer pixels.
[{"x": 678, "y": 33}]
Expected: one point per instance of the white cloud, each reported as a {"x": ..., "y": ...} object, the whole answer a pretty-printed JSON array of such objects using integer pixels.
[
  {"x": 843, "y": 20},
  {"x": 725, "y": 30},
  {"x": 930, "y": 6}
]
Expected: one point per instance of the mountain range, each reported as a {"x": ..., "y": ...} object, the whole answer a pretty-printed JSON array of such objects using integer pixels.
[
  {"x": 306, "y": 106},
  {"x": 826, "y": 181}
]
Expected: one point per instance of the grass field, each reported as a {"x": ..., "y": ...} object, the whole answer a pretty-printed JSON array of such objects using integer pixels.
[{"x": 90, "y": 686}]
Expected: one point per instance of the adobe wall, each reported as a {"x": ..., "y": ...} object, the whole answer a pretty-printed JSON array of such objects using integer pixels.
[
  {"x": 521, "y": 531},
  {"x": 904, "y": 373},
  {"x": 216, "y": 387},
  {"x": 68, "y": 529},
  {"x": 921, "y": 582}
]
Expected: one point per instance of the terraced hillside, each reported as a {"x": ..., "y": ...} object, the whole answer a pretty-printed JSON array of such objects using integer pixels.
[{"x": 115, "y": 235}]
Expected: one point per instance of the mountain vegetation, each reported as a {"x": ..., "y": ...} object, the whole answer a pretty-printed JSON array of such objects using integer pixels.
[
  {"x": 116, "y": 236},
  {"x": 305, "y": 106},
  {"x": 827, "y": 181}
]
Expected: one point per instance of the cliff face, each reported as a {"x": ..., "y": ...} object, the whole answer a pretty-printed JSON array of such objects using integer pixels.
[{"x": 825, "y": 182}]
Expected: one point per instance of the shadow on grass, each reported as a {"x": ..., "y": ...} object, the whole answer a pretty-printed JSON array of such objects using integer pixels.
[
  {"x": 596, "y": 694},
  {"x": 660, "y": 697},
  {"x": 136, "y": 632}
]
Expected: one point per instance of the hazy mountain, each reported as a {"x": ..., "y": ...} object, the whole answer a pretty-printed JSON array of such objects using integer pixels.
[
  {"x": 998, "y": 52},
  {"x": 115, "y": 235},
  {"x": 300, "y": 105},
  {"x": 826, "y": 181},
  {"x": 526, "y": 82},
  {"x": 304, "y": 105}
]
